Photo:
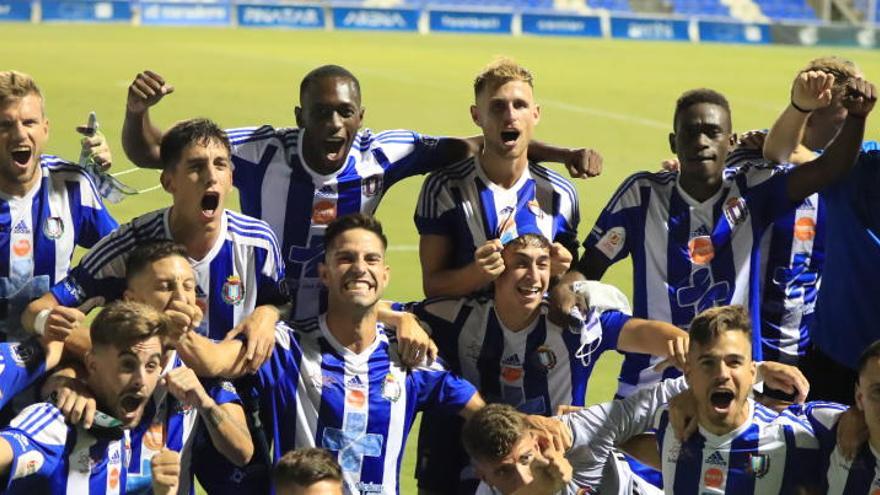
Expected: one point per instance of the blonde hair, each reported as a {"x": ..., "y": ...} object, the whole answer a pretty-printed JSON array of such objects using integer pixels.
[
  {"x": 15, "y": 85},
  {"x": 500, "y": 71},
  {"x": 842, "y": 69}
]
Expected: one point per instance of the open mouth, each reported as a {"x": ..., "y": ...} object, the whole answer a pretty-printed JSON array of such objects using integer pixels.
[
  {"x": 21, "y": 156},
  {"x": 130, "y": 403},
  {"x": 721, "y": 400},
  {"x": 509, "y": 137},
  {"x": 210, "y": 202},
  {"x": 358, "y": 285},
  {"x": 529, "y": 291},
  {"x": 333, "y": 148}
]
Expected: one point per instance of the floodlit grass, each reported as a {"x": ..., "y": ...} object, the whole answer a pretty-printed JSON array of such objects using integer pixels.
[{"x": 614, "y": 96}]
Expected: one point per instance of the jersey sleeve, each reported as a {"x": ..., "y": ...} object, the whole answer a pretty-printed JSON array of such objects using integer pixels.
[
  {"x": 612, "y": 235},
  {"x": 766, "y": 193},
  {"x": 405, "y": 153},
  {"x": 440, "y": 390},
  {"x": 101, "y": 272},
  {"x": 612, "y": 322},
  {"x": 252, "y": 150},
  {"x": 435, "y": 210},
  {"x": 20, "y": 366},
  {"x": 222, "y": 391},
  {"x": 823, "y": 418},
  {"x": 37, "y": 438},
  {"x": 444, "y": 320},
  {"x": 283, "y": 361},
  {"x": 270, "y": 273},
  {"x": 95, "y": 221}
]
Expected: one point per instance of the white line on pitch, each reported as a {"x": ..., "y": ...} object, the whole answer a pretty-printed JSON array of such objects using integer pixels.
[{"x": 142, "y": 191}]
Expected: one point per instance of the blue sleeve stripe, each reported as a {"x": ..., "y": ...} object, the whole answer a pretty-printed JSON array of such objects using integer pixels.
[
  {"x": 259, "y": 134},
  {"x": 120, "y": 242},
  {"x": 659, "y": 178},
  {"x": 39, "y": 419},
  {"x": 555, "y": 178}
]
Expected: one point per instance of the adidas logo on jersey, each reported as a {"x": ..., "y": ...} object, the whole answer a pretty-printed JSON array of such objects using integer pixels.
[
  {"x": 21, "y": 228},
  {"x": 716, "y": 459},
  {"x": 355, "y": 382},
  {"x": 807, "y": 205},
  {"x": 701, "y": 231},
  {"x": 512, "y": 360}
]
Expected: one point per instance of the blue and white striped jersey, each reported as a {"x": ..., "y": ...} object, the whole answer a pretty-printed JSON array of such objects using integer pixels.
[
  {"x": 21, "y": 364},
  {"x": 687, "y": 255},
  {"x": 242, "y": 270},
  {"x": 277, "y": 185},
  {"x": 167, "y": 422},
  {"x": 316, "y": 392},
  {"x": 461, "y": 203},
  {"x": 535, "y": 369},
  {"x": 38, "y": 234},
  {"x": 792, "y": 257},
  {"x": 48, "y": 456},
  {"x": 770, "y": 453}
]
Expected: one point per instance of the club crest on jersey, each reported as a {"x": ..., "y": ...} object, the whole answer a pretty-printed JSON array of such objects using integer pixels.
[
  {"x": 546, "y": 358},
  {"x": 535, "y": 208},
  {"x": 759, "y": 465},
  {"x": 233, "y": 291},
  {"x": 23, "y": 354},
  {"x": 391, "y": 388},
  {"x": 53, "y": 228},
  {"x": 371, "y": 186},
  {"x": 735, "y": 211}
]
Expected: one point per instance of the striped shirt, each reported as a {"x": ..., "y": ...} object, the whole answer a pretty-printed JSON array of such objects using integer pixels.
[
  {"x": 687, "y": 255},
  {"x": 277, "y": 185},
  {"x": 316, "y": 392},
  {"x": 38, "y": 234},
  {"x": 175, "y": 426},
  {"x": 21, "y": 364},
  {"x": 770, "y": 453},
  {"x": 240, "y": 272},
  {"x": 462, "y": 204},
  {"x": 49, "y": 456}
]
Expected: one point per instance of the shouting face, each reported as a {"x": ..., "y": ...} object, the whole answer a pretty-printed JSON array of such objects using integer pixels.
[
  {"x": 124, "y": 379},
  {"x": 331, "y": 115},
  {"x": 199, "y": 182},
  {"x": 24, "y": 131},
  {"x": 507, "y": 114}
]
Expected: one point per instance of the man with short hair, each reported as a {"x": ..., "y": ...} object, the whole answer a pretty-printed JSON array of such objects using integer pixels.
[
  {"x": 307, "y": 471},
  {"x": 467, "y": 212},
  {"x": 299, "y": 179},
  {"x": 336, "y": 381},
  {"x": 40, "y": 453},
  {"x": 694, "y": 235},
  {"x": 49, "y": 205},
  {"x": 235, "y": 257}
]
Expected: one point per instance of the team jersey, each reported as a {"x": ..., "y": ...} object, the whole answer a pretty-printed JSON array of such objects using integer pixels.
[
  {"x": 21, "y": 364},
  {"x": 240, "y": 272},
  {"x": 277, "y": 185},
  {"x": 317, "y": 393},
  {"x": 792, "y": 255},
  {"x": 770, "y": 453},
  {"x": 170, "y": 424},
  {"x": 462, "y": 204},
  {"x": 687, "y": 255},
  {"x": 38, "y": 234},
  {"x": 49, "y": 456},
  {"x": 535, "y": 369}
]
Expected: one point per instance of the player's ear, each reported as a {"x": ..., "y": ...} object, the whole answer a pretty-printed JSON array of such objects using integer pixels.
[
  {"x": 537, "y": 113},
  {"x": 387, "y": 277},
  {"x": 322, "y": 274},
  {"x": 672, "y": 142},
  {"x": 859, "y": 397},
  {"x": 475, "y": 115},
  {"x": 733, "y": 139},
  {"x": 165, "y": 180},
  {"x": 91, "y": 362},
  {"x": 128, "y": 295},
  {"x": 298, "y": 112},
  {"x": 361, "y": 114}
]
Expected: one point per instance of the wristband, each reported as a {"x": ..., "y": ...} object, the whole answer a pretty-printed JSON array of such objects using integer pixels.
[
  {"x": 799, "y": 109},
  {"x": 40, "y": 321}
]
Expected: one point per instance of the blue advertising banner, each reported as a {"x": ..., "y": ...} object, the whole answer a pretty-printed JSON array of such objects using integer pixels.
[
  {"x": 288, "y": 16},
  {"x": 561, "y": 25},
  {"x": 86, "y": 11},
  {"x": 454, "y": 21},
  {"x": 375, "y": 19},
  {"x": 15, "y": 10},
  {"x": 731, "y": 32},
  {"x": 649, "y": 29},
  {"x": 186, "y": 14}
]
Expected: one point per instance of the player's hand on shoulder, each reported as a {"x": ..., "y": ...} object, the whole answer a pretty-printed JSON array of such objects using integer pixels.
[
  {"x": 811, "y": 90},
  {"x": 147, "y": 89},
  {"x": 676, "y": 355},
  {"x": 413, "y": 343},
  {"x": 72, "y": 397},
  {"x": 786, "y": 378},
  {"x": 859, "y": 97},
  {"x": 489, "y": 260},
  {"x": 584, "y": 163},
  {"x": 852, "y": 432},
  {"x": 670, "y": 165},
  {"x": 185, "y": 386},
  {"x": 259, "y": 329},
  {"x": 683, "y": 415},
  {"x": 165, "y": 466},
  {"x": 752, "y": 140}
]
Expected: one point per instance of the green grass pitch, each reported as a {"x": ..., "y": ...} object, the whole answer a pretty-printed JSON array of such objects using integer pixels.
[{"x": 615, "y": 96}]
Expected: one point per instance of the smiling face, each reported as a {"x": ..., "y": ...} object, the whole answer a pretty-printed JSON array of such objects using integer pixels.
[
  {"x": 200, "y": 181},
  {"x": 507, "y": 114},
  {"x": 354, "y": 270},
  {"x": 331, "y": 115},
  {"x": 124, "y": 378},
  {"x": 526, "y": 275},
  {"x": 24, "y": 131},
  {"x": 721, "y": 374},
  {"x": 701, "y": 141},
  {"x": 868, "y": 397},
  {"x": 163, "y": 280}
]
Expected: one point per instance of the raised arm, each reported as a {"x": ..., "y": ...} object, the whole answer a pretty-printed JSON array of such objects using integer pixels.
[
  {"x": 841, "y": 155},
  {"x": 440, "y": 280},
  {"x": 140, "y": 138},
  {"x": 811, "y": 90},
  {"x": 657, "y": 338},
  {"x": 207, "y": 358}
]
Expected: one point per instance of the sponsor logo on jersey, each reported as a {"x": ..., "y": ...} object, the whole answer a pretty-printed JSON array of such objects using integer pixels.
[
  {"x": 114, "y": 478},
  {"x": 356, "y": 399},
  {"x": 701, "y": 250},
  {"x": 805, "y": 229},
  {"x": 391, "y": 388},
  {"x": 735, "y": 211},
  {"x": 511, "y": 373},
  {"x": 22, "y": 247},
  {"x": 612, "y": 242},
  {"x": 154, "y": 437},
  {"x": 323, "y": 212},
  {"x": 233, "y": 290},
  {"x": 759, "y": 465},
  {"x": 713, "y": 478},
  {"x": 53, "y": 228}
]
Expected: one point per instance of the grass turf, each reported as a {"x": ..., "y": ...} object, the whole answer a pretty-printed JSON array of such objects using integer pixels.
[{"x": 615, "y": 96}]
